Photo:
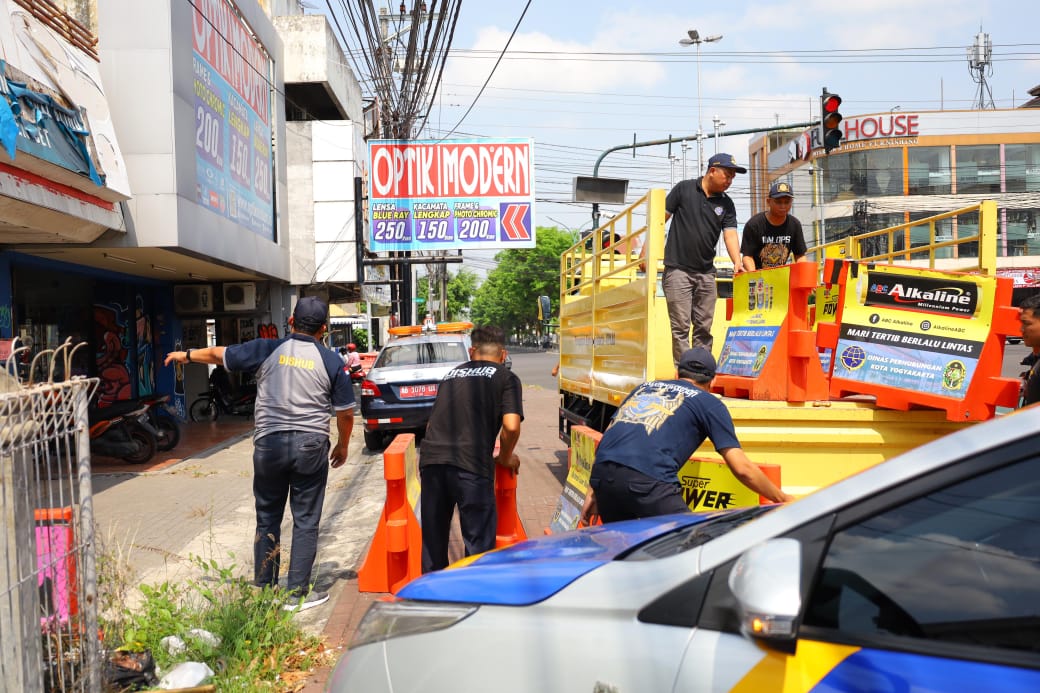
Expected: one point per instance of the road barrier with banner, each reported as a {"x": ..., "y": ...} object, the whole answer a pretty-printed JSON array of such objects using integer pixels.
[{"x": 921, "y": 338}]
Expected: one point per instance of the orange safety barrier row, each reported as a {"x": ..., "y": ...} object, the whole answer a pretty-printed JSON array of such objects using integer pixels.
[{"x": 394, "y": 557}]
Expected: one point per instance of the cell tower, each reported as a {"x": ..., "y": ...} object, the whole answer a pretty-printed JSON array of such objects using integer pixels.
[{"x": 980, "y": 65}]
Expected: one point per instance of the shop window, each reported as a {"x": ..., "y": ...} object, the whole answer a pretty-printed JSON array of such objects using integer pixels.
[
  {"x": 978, "y": 169},
  {"x": 928, "y": 170},
  {"x": 884, "y": 172},
  {"x": 1022, "y": 167}
]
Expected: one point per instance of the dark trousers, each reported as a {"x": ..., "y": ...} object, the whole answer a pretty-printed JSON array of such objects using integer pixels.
[
  {"x": 689, "y": 295},
  {"x": 443, "y": 487},
  {"x": 623, "y": 493},
  {"x": 291, "y": 465}
]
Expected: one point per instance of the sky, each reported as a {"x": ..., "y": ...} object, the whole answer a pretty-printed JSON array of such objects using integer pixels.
[{"x": 580, "y": 77}]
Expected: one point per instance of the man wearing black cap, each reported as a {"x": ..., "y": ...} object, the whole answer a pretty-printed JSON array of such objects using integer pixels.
[
  {"x": 653, "y": 433},
  {"x": 298, "y": 380},
  {"x": 772, "y": 236},
  {"x": 702, "y": 212}
]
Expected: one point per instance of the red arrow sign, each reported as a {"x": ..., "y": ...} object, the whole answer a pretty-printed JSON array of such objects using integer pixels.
[{"x": 513, "y": 222}]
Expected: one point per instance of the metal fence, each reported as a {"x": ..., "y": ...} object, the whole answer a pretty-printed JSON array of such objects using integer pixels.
[{"x": 48, "y": 585}]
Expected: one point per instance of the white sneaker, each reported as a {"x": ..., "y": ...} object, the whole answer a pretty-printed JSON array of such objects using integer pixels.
[{"x": 312, "y": 600}]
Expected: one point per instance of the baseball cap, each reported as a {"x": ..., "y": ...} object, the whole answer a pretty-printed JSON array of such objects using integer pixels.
[
  {"x": 697, "y": 360},
  {"x": 726, "y": 161},
  {"x": 310, "y": 313},
  {"x": 781, "y": 189}
]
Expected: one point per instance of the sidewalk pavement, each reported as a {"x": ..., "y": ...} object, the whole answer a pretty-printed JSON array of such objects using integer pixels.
[{"x": 197, "y": 502}]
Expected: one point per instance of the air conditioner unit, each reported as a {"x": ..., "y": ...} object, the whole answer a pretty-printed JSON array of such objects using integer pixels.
[
  {"x": 240, "y": 296},
  {"x": 193, "y": 298}
]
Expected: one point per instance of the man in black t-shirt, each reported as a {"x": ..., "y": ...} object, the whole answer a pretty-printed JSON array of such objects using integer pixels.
[
  {"x": 1030, "y": 321},
  {"x": 772, "y": 236},
  {"x": 477, "y": 402}
]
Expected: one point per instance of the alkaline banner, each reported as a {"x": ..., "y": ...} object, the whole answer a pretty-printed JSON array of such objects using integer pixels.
[
  {"x": 914, "y": 329},
  {"x": 451, "y": 195}
]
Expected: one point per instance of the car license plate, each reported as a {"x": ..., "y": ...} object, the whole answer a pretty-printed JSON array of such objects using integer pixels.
[{"x": 410, "y": 391}]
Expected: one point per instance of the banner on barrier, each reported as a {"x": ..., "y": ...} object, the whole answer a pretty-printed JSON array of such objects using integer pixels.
[
  {"x": 572, "y": 497},
  {"x": 760, "y": 308}
]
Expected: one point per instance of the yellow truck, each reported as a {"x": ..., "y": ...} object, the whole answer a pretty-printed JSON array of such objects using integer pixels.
[{"x": 614, "y": 334}]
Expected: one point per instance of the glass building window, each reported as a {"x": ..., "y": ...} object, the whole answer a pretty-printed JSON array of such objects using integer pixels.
[
  {"x": 928, "y": 170},
  {"x": 978, "y": 169},
  {"x": 1022, "y": 233},
  {"x": 1022, "y": 167},
  {"x": 883, "y": 171}
]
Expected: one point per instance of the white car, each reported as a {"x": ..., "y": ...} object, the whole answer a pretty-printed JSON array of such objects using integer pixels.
[{"x": 919, "y": 574}]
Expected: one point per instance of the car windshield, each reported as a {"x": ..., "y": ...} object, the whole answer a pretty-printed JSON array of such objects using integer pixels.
[
  {"x": 421, "y": 353},
  {"x": 686, "y": 538}
]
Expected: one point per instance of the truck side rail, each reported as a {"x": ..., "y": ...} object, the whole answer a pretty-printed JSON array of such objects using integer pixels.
[{"x": 967, "y": 252}]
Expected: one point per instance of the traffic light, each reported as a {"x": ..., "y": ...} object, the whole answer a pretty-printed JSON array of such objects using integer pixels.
[{"x": 830, "y": 120}]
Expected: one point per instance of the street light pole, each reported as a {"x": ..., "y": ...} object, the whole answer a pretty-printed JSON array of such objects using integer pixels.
[
  {"x": 719, "y": 124},
  {"x": 696, "y": 40}
]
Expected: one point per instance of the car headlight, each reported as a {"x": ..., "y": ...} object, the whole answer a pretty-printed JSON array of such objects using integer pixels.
[{"x": 385, "y": 620}]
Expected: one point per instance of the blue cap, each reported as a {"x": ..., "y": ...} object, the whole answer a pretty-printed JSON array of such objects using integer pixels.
[
  {"x": 726, "y": 161},
  {"x": 781, "y": 189},
  {"x": 310, "y": 314}
]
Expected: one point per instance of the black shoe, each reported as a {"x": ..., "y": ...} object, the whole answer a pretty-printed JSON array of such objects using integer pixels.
[{"x": 312, "y": 600}]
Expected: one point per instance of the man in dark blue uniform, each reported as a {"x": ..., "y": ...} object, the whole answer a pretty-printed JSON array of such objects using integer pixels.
[
  {"x": 298, "y": 382},
  {"x": 653, "y": 433},
  {"x": 477, "y": 402}
]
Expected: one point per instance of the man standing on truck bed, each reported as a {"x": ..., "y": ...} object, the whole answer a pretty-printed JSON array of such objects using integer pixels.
[
  {"x": 772, "y": 236},
  {"x": 702, "y": 212},
  {"x": 654, "y": 432}
]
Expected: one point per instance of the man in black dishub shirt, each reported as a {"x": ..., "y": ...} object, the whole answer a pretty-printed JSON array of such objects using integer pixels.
[{"x": 477, "y": 402}]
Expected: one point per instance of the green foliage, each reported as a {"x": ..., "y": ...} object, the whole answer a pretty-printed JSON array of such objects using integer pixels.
[
  {"x": 361, "y": 339},
  {"x": 461, "y": 287},
  {"x": 509, "y": 296},
  {"x": 261, "y": 648}
]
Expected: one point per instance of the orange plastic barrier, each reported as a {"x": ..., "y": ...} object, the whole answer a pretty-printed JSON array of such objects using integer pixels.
[
  {"x": 770, "y": 350},
  {"x": 920, "y": 338},
  {"x": 394, "y": 557},
  {"x": 510, "y": 529}
]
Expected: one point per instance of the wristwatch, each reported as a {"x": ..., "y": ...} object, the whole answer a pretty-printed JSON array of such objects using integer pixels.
[{"x": 187, "y": 355}]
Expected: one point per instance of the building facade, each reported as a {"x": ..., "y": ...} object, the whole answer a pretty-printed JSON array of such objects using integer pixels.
[
  {"x": 181, "y": 224},
  {"x": 898, "y": 167}
]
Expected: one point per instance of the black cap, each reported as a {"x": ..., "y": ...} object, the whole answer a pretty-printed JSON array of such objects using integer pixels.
[
  {"x": 310, "y": 314},
  {"x": 698, "y": 361},
  {"x": 726, "y": 161}
]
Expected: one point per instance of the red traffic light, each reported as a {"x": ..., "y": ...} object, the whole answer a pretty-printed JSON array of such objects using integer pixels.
[{"x": 830, "y": 133}]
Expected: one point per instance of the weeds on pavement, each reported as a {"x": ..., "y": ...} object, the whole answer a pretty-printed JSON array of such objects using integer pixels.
[{"x": 260, "y": 648}]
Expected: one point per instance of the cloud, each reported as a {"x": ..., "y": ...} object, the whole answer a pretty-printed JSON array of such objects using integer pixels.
[{"x": 593, "y": 72}]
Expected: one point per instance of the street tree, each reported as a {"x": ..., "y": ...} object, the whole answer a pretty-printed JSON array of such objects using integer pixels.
[{"x": 509, "y": 296}]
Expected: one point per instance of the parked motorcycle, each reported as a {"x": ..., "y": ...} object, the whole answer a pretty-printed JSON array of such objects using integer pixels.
[
  {"x": 164, "y": 420},
  {"x": 122, "y": 430},
  {"x": 216, "y": 401}
]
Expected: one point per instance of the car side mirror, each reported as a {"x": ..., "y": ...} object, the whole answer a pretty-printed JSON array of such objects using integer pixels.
[{"x": 766, "y": 582}]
